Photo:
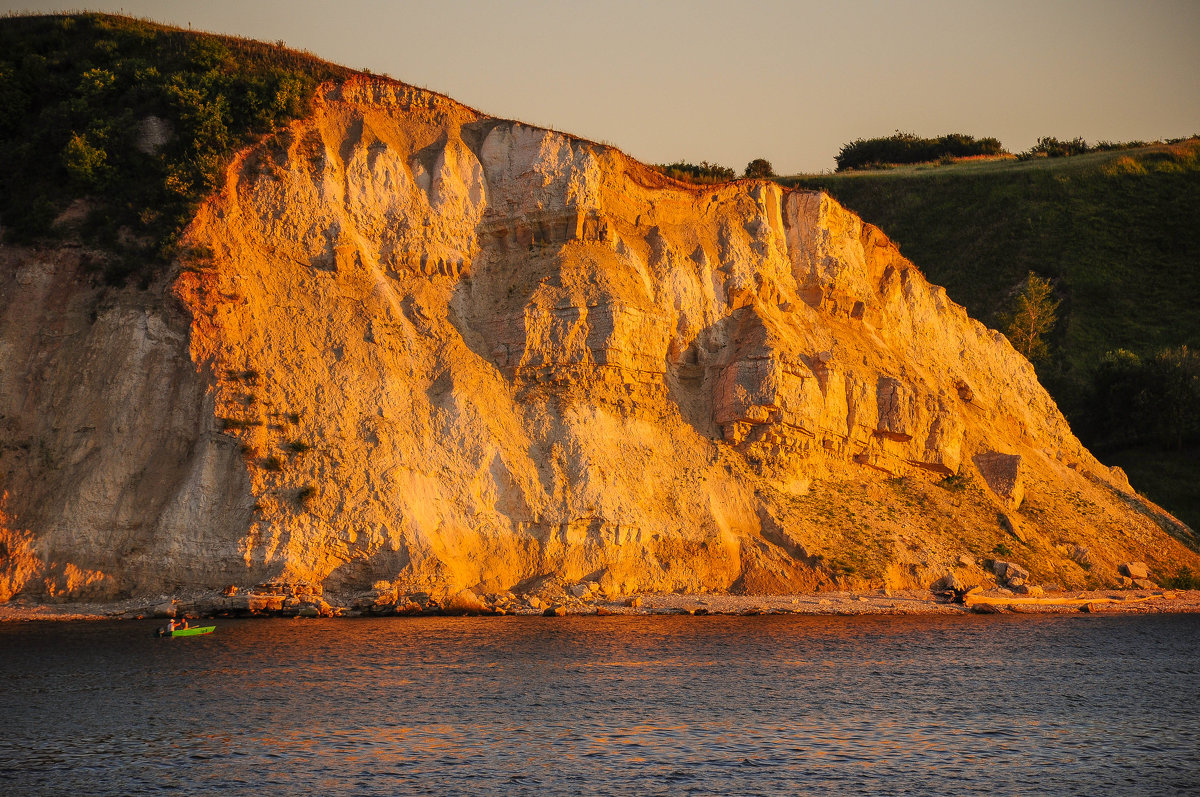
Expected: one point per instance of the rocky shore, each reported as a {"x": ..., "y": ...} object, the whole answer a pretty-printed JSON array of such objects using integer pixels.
[{"x": 298, "y": 602}]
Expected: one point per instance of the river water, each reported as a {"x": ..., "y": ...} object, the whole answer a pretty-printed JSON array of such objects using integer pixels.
[{"x": 1062, "y": 705}]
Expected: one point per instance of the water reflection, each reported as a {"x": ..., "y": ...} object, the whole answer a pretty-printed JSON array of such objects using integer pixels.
[{"x": 622, "y": 705}]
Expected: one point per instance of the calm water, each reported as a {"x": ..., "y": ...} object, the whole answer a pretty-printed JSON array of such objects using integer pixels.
[{"x": 630, "y": 705}]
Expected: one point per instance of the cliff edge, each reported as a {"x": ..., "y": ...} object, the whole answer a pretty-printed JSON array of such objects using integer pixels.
[{"x": 415, "y": 347}]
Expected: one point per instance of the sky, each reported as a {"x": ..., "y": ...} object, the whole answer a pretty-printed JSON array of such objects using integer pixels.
[{"x": 727, "y": 82}]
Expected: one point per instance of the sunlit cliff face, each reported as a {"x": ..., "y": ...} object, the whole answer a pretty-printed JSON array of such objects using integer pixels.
[{"x": 434, "y": 348}]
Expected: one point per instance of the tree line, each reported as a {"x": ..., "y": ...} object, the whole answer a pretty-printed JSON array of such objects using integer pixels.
[{"x": 706, "y": 173}]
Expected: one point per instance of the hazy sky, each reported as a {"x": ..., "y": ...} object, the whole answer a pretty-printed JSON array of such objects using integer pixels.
[{"x": 727, "y": 82}]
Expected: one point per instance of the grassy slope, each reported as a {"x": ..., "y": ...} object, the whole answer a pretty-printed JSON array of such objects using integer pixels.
[
  {"x": 1119, "y": 232},
  {"x": 75, "y": 91}
]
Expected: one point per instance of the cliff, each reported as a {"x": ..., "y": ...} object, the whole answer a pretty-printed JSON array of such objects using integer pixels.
[{"x": 412, "y": 344}]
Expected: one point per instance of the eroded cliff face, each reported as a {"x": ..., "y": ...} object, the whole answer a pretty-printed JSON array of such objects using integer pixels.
[{"x": 418, "y": 345}]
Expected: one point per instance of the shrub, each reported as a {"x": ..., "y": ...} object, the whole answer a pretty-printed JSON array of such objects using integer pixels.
[
  {"x": 1051, "y": 147},
  {"x": 1184, "y": 579},
  {"x": 759, "y": 167},
  {"x": 86, "y": 164},
  {"x": 305, "y": 495},
  {"x": 873, "y": 153},
  {"x": 704, "y": 172}
]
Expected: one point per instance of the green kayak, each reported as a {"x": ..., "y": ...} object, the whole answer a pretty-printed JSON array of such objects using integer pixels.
[{"x": 204, "y": 629}]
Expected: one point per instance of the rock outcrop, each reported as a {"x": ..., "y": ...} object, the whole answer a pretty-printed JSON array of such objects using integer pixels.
[{"x": 412, "y": 343}]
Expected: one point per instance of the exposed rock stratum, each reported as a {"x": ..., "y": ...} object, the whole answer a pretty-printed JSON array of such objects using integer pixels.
[{"x": 415, "y": 344}]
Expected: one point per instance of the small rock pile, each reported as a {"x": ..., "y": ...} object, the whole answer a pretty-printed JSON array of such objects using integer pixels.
[
  {"x": 1135, "y": 574},
  {"x": 1016, "y": 578}
]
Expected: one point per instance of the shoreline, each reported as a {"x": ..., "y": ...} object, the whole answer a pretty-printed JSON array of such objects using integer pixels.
[{"x": 862, "y": 602}]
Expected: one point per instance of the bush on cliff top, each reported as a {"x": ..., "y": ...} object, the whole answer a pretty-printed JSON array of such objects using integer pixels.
[
  {"x": 869, "y": 153},
  {"x": 136, "y": 119},
  {"x": 704, "y": 172}
]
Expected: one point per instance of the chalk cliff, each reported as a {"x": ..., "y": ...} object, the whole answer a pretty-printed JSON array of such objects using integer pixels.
[{"x": 409, "y": 343}]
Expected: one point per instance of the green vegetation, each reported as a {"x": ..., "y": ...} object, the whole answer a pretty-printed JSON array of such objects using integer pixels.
[
  {"x": 135, "y": 123},
  {"x": 1113, "y": 232},
  {"x": 1033, "y": 315},
  {"x": 1152, "y": 401},
  {"x": 1184, "y": 579},
  {"x": 878, "y": 153},
  {"x": 1050, "y": 147},
  {"x": 704, "y": 173},
  {"x": 759, "y": 167}
]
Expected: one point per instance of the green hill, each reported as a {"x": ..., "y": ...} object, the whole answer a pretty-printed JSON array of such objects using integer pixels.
[
  {"x": 1118, "y": 234},
  {"x": 76, "y": 95}
]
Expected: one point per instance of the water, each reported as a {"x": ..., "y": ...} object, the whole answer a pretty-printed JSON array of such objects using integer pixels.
[{"x": 618, "y": 705}]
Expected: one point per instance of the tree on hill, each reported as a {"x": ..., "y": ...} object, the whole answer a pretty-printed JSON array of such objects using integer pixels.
[
  {"x": 1033, "y": 314},
  {"x": 760, "y": 167}
]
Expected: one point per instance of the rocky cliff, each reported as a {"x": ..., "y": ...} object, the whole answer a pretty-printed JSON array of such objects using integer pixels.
[{"x": 409, "y": 343}]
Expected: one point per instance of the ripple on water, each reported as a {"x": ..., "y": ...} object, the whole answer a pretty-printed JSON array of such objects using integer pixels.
[{"x": 625, "y": 705}]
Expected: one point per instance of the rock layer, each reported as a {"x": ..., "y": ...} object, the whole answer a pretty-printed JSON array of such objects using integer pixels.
[{"x": 413, "y": 344}]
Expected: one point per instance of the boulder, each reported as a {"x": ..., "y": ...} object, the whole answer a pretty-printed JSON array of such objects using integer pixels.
[
  {"x": 1134, "y": 570},
  {"x": 557, "y": 610},
  {"x": 966, "y": 560},
  {"x": 408, "y": 608},
  {"x": 948, "y": 582},
  {"x": 1009, "y": 571},
  {"x": 1144, "y": 583},
  {"x": 163, "y": 610},
  {"x": 465, "y": 602},
  {"x": 1003, "y": 474},
  {"x": 261, "y": 604}
]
